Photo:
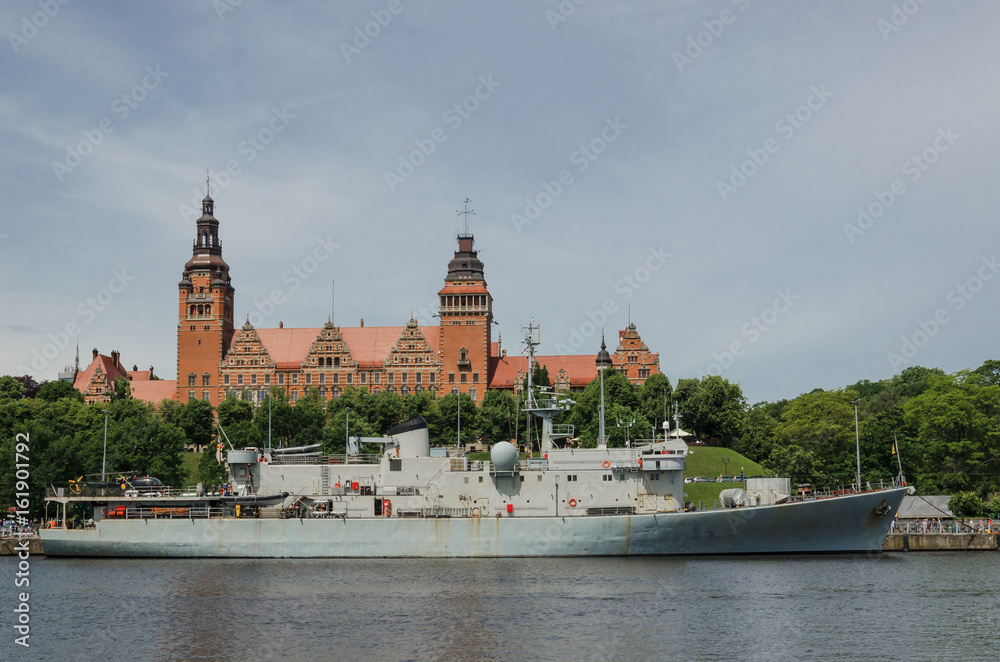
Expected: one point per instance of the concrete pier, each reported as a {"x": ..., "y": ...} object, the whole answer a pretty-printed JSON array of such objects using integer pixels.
[
  {"x": 7, "y": 546},
  {"x": 940, "y": 542}
]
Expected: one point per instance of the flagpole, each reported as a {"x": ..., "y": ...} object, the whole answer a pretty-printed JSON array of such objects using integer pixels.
[{"x": 899, "y": 461}]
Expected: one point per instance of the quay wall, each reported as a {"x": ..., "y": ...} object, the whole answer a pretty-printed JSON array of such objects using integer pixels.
[
  {"x": 7, "y": 546},
  {"x": 938, "y": 542}
]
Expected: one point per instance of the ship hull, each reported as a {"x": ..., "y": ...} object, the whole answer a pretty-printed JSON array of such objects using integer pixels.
[{"x": 837, "y": 524}]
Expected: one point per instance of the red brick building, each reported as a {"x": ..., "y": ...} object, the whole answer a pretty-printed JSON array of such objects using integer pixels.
[{"x": 215, "y": 358}]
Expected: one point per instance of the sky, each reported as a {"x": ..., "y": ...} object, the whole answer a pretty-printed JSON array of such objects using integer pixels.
[{"x": 792, "y": 195}]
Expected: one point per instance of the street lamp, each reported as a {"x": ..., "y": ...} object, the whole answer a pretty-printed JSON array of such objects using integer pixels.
[
  {"x": 347, "y": 430},
  {"x": 857, "y": 438},
  {"x": 104, "y": 460}
]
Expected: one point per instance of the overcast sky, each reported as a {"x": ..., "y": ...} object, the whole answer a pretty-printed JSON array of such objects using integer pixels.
[{"x": 794, "y": 195}]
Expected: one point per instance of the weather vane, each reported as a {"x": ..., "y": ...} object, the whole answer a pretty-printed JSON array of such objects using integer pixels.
[{"x": 465, "y": 212}]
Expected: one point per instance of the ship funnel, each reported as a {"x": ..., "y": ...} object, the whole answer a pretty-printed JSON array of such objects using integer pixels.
[{"x": 412, "y": 437}]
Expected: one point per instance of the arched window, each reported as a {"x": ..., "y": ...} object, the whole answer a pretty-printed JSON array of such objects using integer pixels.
[
  {"x": 206, "y": 379},
  {"x": 454, "y": 390},
  {"x": 405, "y": 390},
  {"x": 191, "y": 395},
  {"x": 335, "y": 391},
  {"x": 206, "y": 395},
  {"x": 336, "y": 361},
  {"x": 191, "y": 379},
  {"x": 194, "y": 310},
  {"x": 201, "y": 309}
]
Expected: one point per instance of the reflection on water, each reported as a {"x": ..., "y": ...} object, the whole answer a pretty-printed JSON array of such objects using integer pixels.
[{"x": 741, "y": 608}]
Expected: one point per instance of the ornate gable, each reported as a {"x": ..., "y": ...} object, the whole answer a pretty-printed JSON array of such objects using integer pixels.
[
  {"x": 329, "y": 365},
  {"x": 412, "y": 365},
  {"x": 246, "y": 366},
  {"x": 633, "y": 358}
]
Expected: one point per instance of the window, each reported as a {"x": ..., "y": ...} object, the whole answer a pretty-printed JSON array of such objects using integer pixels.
[
  {"x": 454, "y": 390},
  {"x": 570, "y": 478},
  {"x": 239, "y": 379},
  {"x": 405, "y": 390},
  {"x": 654, "y": 476},
  {"x": 431, "y": 378},
  {"x": 206, "y": 379},
  {"x": 420, "y": 377},
  {"x": 322, "y": 378},
  {"x": 475, "y": 378},
  {"x": 295, "y": 396},
  {"x": 281, "y": 378},
  {"x": 378, "y": 377},
  {"x": 539, "y": 478},
  {"x": 364, "y": 375},
  {"x": 191, "y": 379},
  {"x": 267, "y": 379},
  {"x": 480, "y": 479},
  {"x": 451, "y": 378},
  {"x": 392, "y": 378},
  {"x": 225, "y": 379},
  {"x": 607, "y": 477},
  {"x": 406, "y": 377},
  {"x": 295, "y": 378},
  {"x": 464, "y": 377},
  {"x": 336, "y": 378},
  {"x": 253, "y": 379},
  {"x": 206, "y": 395},
  {"x": 309, "y": 378},
  {"x": 349, "y": 375},
  {"x": 336, "y": 361}
]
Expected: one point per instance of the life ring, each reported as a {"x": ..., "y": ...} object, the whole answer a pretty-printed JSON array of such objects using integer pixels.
[
  {"x": 606, "y": 464},
  {"x": 572, "y": 502},
  {"x": 475, "y": 511},
  {"x": 336, "y": 484}
]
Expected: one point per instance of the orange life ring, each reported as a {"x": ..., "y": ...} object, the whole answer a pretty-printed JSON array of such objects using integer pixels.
[
  {"x": 336, "y": 484},
  {"x": 572, "y": 502},
  {"x": 606, "y": 464}
]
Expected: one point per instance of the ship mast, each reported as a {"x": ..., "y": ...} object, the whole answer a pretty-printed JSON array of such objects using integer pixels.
[{"x": 550, "y": 403}]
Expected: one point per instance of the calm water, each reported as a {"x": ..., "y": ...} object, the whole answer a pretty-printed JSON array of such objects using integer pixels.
[{"x": 931, "y": 606}]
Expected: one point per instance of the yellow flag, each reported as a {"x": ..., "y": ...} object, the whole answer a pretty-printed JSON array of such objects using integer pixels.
[{"x": 894, "y": 448}]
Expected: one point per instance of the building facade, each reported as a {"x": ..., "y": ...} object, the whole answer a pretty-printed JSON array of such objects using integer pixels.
[{"x": 216, "y": 359}]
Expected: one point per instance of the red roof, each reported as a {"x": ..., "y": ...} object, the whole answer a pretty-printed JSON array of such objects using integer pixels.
[
  {"x": 581, "y": 369},
  {"x": 459, "y": 288},
  {"x": 154, "y": 390},
  {"x": 369, "y": 345},
  {"x": 111, "y": 372}
]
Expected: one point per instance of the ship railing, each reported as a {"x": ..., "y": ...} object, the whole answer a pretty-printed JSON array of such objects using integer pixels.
[
  {"x": 71, "y": 490},
  {"x": 339, "y": 458},
  {"x": 946, "y": 526},
  {"x": 441, "y": 511}
]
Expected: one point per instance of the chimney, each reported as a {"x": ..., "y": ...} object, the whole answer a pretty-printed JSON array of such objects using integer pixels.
[
  {"x": 114, "y": 357},
  {"x": 281, "y": 325},
  {"x": 135, "y": 368},
  {"x": 362, "y": 322},
  {"x": 151, "y": 372}
]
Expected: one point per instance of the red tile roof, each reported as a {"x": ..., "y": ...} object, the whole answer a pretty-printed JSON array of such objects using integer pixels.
[
  {"x": 111, "y": 372},
  {"x": 154, "y": 390},
  {"x": 369, "y": 345},
  {"x": 581, "y": 369}
]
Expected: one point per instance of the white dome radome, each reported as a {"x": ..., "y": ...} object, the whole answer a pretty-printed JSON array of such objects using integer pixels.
[{"x": 504, "y": 456}]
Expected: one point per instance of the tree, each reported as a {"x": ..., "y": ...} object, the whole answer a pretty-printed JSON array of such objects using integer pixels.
[
  {"x": 821, "y": 426},
  {"x": 447, "y": 431},
  {"x": 11, "y": 389},
  {"x": 498, "y": 416},
  {"x": 966, "y": 504},
  {"x": 121, "y": 390},
  {"x": 585, "y": 415},
  {"x": 758, "y": 436},
  {"x": 714, "y": 407},
  {"x": 52, "y": 391},
  {"x": 654, "y": 398},
  {"x": 914, "y": 380},
  {"x": 196, "y": 419},
  {"x": 989, "y": 373}
]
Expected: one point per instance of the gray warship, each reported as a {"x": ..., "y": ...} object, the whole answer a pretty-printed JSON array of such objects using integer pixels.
[{"x": 410, "y": 500}]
